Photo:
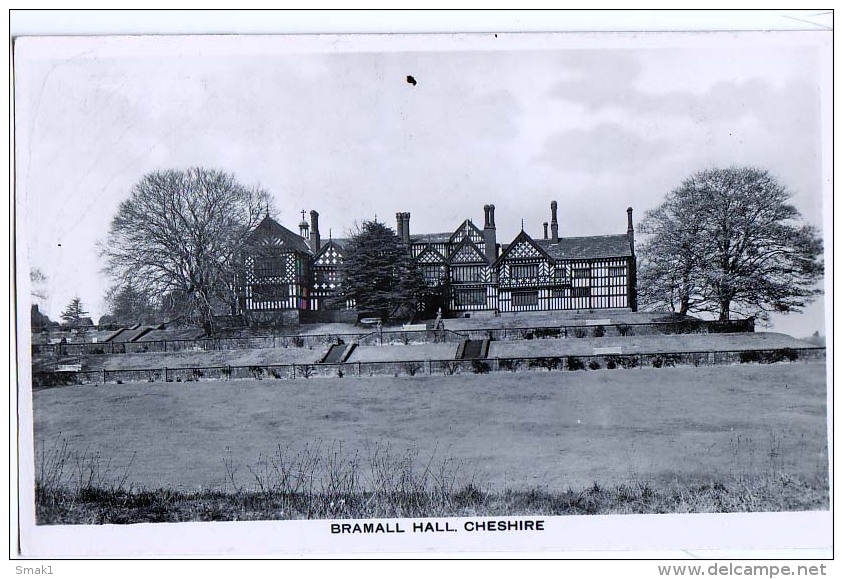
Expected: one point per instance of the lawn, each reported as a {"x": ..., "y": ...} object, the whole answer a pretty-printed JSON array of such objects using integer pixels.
[{"x": 552, "y": 430}]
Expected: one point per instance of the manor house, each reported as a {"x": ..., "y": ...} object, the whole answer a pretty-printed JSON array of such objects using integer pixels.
[{"x": 290, "y": 273}]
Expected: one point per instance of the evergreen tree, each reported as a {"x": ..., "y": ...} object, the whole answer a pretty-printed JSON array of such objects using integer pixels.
[
  {"x": 379, "y": 274},
  {"x": 74, "y": 314}
]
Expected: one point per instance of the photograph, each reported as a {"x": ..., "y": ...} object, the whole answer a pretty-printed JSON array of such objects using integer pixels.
[{"x": 423, "y": 292}]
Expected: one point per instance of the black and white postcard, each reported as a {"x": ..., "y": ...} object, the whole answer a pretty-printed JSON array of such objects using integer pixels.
[{"x": 456, "y": 293}]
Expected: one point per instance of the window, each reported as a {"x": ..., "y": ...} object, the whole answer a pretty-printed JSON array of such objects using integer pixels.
[
  {"x": 270, "y": 293},
  {"x": 327, "y": 275},
  {"x": 271, "y": 266},
  {"x": 617, "y": 271},
  {"x": 524, "y": 271},
  {"x": 466, "y": 274},
  {"x": 521, "y": 299},
  {"x": 580, "y": 292},
  {"x": 559, "y": 272},
  {"x": 470, "y": 297},
  {"x": 581, "y": 273}
]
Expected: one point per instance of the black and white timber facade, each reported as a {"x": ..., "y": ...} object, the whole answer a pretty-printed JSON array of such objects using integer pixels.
[{"x": 289, "y": 272}]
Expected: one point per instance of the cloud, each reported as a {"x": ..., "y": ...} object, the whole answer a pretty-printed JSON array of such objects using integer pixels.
[{"x": 604, "y": 148}]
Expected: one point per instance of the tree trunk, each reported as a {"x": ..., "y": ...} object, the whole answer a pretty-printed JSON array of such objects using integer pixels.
[{"x": 725, "y": 306}]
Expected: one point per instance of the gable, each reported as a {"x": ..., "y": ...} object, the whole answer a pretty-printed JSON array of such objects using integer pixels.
[
  {"x": 523, "y": 247},
  {"x": 430, "y": 255},
  {"x": 329, "y": 254},
  {"x": 270, "y": 234},
  {"x": 467, "y": 252},
  {"x": 467, "y": 230}
]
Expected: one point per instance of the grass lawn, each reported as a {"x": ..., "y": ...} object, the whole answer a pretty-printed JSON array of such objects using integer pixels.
[{"x": 551, "y": 430}]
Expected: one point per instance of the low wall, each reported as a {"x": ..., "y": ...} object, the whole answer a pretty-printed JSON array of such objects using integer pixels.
[
  {"x": 402, "y": 337},
  {"x": 430, "y": 367}
]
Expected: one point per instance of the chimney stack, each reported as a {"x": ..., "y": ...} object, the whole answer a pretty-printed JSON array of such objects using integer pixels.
[
  {"x": 315, "y": 241},
  {"x": 554, "y": 224},
  {"x": 405, "y": 231},
  {"x": 630, "y": 231},
  {"x": 399, "y": 221},
  {"x": 490, "y": 233},
  {"x": 545, "y": 229}
]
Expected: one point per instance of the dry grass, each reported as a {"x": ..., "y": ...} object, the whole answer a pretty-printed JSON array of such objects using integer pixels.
[{"x": 325, "y": 483}]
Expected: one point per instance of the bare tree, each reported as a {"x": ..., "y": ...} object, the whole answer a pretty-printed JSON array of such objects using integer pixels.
[
  {"x": 38, "y": 282},
  {"x": 177, "y": 238},
  {"x": 727, "y": 241}
]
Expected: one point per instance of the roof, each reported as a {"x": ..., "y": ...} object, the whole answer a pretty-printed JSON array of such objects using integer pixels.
[
  {"x": 591, "y": 247},
  {"x": 171, "y": 334},
  {"x": 431, "y": 237},
  {"x": 126, "y": 335},
  {"x": 270, "y": 233}
]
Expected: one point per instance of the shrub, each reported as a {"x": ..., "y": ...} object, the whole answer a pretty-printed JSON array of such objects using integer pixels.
[
  {"x": 749, "y": 357},
  {"x": 574, "y": 363},
  {"x": 611, "y": 363},
  {"x": 449, "y": 368},
  {"x": 275, "y": 373},
  {"x": 547, "y": 332},
  {"x": 594, "y": 365},
  {"x": 480, "y": 367},
  {"x": 579, "y": 332},
  {"x": 658, "y": 362},
  {"x": 599, "y": 331},
  {"x": 623, "y": 329},
  {"x": 547, "y": 363},
  {"x": 411, "y": 368},
  {"x": 257, "y": 372},
  {"x": 509, "y": 364},
  {"x": 306, "y": 370}
]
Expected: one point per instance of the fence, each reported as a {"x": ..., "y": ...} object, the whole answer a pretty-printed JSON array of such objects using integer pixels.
[
  {"x": 429, "y": 367},
  {"x": 692, "y": 326}
]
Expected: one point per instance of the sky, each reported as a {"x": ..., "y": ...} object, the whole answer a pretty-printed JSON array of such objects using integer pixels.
[{"x": 596, "y": 122}]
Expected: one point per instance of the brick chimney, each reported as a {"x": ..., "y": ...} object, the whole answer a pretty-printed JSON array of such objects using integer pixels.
[
  {"x": 490, "y": 233},
  {"x": 405, "y": 232},
  {"x": 399, "y": 222},
  {"x": 630, "y": 231},
  {"x": 545, "y": 229},
  {"x": 554, "y": 224},
  {"x": 315, "y": 241}
]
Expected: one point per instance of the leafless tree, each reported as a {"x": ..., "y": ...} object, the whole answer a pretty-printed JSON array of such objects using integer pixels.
[
  {"x": 178, "y": 237},
  {"x": 728, "y": 241}
]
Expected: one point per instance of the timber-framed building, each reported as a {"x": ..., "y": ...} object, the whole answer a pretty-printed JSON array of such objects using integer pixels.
[{"x": 288, "y": 274}]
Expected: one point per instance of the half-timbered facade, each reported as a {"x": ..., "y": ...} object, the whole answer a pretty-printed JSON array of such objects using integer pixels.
[
  {"x": 467, "y": 269},
  {"x": 277, "y": 265}
]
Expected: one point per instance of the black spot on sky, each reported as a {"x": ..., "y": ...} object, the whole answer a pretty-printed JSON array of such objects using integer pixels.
[{"x": 411, "y": 80}]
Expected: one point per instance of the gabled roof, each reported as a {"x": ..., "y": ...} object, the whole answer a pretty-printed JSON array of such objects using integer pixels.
[
  {"x": 269, "y": 233},
  {"x": 331, "y": 243},
  {"x": 467, "y": 244},
  {"x": 592, "y": 247},
  {"x": 430, "y": 255},
  {"x": 467, "y": 224},
  {"x": 518, "y": 239}
]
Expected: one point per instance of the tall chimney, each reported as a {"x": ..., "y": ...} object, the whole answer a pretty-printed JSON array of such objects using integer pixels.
[
  {"x": 406, "y": 230},
  {"x": 545, "y": 229},
  {"x": 315, "y": 241},
  {"x": 554, "y": 224},
  {"x": 399, "y": 221},
  {"x": 490, "y": 233},
  {"x": 630, "y": 231}
]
